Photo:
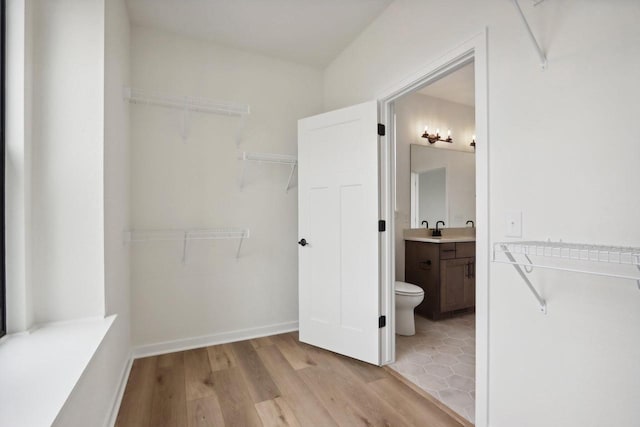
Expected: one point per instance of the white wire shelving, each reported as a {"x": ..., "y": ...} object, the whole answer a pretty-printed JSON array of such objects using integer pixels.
[
  {"x": 184, "y": 236},
  {"x": 610, "y": 261},
  {"x": 188, "y": 104},
  {"x": 282, "y": 159}
]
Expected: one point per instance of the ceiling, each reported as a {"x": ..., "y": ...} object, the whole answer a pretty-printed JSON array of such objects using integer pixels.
[
  {"x": 455, "y": 87},
  {"x": 310, "y": 32}
]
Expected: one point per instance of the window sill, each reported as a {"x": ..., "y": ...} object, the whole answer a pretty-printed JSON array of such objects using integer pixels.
[{"x": 38, "y": 370}]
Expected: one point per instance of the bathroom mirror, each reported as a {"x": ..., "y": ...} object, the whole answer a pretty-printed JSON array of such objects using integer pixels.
[{"x": 443, "y": 186}]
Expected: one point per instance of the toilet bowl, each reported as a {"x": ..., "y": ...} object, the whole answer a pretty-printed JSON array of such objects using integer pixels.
[{"x": 408, "y": 297}]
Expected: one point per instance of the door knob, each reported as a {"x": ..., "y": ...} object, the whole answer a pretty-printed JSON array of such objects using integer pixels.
[{"x": 303, "y": 242}]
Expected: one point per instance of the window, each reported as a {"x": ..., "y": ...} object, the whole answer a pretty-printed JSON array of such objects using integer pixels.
[{"x": 3, "y": 306}]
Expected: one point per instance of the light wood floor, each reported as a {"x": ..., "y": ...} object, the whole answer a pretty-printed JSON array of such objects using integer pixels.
[{"x": 273, "y": 381}]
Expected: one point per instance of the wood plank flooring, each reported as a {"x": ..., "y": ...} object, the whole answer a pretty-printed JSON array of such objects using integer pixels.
[{"x": 272, "y": 381}]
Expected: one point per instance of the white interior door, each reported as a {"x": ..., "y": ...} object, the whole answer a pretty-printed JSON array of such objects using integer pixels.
[{"x": 338, "y": 220}]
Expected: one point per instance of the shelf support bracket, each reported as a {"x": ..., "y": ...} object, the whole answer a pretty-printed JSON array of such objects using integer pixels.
[
  {"x": 293, "y": 169},
  {"x": 543, "y": 58},
  {"x": 184, "y": 247},
  {"x": 240, "y": 130},
  {"x": 239, "y": 247},
  {"x": 541, "y": 301},
  {"x": 242, "y": 170}
]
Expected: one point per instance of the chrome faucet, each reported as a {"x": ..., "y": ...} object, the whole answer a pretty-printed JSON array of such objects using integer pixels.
[
  {"x": 437, "y": 232},
  {"x": 425, "y": 222},
  {"x": 473, "y": 224}
]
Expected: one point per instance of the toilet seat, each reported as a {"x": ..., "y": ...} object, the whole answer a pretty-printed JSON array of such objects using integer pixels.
[{"x": 404, "y": 288}]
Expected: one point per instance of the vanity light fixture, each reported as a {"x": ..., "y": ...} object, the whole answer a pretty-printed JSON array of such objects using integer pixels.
[
  {"x": 473, "y": 142},
  {"x": 434, "y": 137}
]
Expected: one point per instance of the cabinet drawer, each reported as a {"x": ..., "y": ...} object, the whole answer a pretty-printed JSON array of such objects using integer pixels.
[
  {"x": 422, "y": 265},
  {"x": 465, "y": 249},
  {"x": 447, "y": 250}
]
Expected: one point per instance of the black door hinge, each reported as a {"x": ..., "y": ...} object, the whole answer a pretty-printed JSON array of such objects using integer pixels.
[
  {"x": 382, "y": 225},
  {"x": 381, "y": 129},
  {"x": 382, "y": 321}
]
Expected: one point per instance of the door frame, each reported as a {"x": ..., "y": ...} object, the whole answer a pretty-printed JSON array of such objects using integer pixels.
[{"x": 473, "y": 49}]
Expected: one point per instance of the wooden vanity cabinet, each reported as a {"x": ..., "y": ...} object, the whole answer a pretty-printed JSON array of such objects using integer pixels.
[{"x": 446, "y": 272}]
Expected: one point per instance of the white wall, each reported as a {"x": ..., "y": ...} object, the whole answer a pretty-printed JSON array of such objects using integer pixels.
[
  {"x": 564, "y": 151},
  {"x": 116, "y": 158},
  {"x": 117, "y": 183},
  {"x": 413, "y": 113},
  {"x": 20, "y": 314},
  {"x": 180, "y": 184},
  {"x": 67, "y": 159},
  {"x": 95, "y": 393}
]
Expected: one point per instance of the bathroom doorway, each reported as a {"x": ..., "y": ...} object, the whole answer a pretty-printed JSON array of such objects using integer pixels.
[
  {"x": 438, "y": 248},
  {"x": 435, "y": 239}
]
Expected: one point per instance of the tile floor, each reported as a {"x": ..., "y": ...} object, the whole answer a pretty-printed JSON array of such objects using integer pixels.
[{"x": 440, "y": 359}]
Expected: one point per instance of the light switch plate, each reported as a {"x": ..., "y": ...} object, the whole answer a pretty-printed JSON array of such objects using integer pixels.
[{"x": 514, "y": 224}]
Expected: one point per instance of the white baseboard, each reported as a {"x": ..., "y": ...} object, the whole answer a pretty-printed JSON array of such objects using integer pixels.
[
  {"x": 117, "y": 398},
  {"x": 207, "y": 340}
]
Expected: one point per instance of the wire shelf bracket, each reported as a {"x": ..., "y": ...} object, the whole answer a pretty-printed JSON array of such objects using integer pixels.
[
  {"x": 187, "y": 105},
  {"x": 185, "y": 236},
  {"x": 282, "y": 159},
  {"x": 541, "y": 54},
  {"x": 579, "y": 258}
]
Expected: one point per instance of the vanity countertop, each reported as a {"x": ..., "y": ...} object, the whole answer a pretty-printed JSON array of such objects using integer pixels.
[
  {"x": 449, "y": 235},
  {"x": 457, "y": 239}
]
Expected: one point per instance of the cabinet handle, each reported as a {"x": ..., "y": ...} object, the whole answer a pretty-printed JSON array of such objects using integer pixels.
[
  {"x": 472, "y": 264},
  {"x": 448, "y": 250},
  {"x": 466, "y": 270},
  {"x": 425, "y": 265}
]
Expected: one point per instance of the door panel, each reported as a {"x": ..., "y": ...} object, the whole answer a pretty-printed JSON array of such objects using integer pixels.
[
  {"x": 323, "y": 266},
  {"x": 338, "y": 217},
  {"x": 353, "y": 280}
]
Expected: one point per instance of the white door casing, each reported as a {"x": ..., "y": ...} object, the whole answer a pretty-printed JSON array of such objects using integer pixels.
[
  {"x": 338, "y": 218},
  {"x": 475, "y": 48}
]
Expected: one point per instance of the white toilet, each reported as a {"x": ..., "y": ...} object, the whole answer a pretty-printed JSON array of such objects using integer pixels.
[{"x": 408, "y": 297}]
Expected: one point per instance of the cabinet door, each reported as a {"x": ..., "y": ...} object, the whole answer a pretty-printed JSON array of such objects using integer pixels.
[
  {"x": 422, "y": 268},
  {"x": 457, "y": 289}
]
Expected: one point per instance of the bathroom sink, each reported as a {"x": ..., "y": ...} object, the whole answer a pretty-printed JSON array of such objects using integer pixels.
[
  {"x": 432, "y": 239},
  {"x": 449, "y": 235}
]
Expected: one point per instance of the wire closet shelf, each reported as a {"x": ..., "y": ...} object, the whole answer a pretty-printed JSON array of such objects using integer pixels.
[
  {"x": 189, "y": 103},
  {"x": 274, "y": 158},
  {"x": 188, "y": 235},
  {"x": 609, "y": 261}
]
